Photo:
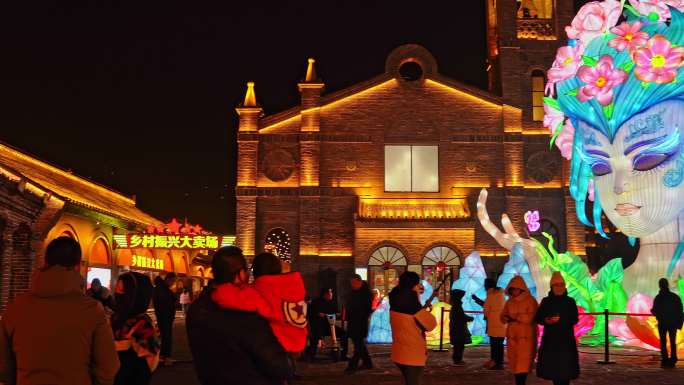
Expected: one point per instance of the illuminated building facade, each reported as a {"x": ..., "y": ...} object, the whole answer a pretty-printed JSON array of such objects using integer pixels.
[
  {"x": 383, "y": 176},
  {"x": 40, "y": 202}
]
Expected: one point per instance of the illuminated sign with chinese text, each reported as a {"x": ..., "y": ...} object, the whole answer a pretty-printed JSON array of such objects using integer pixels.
[
  {"x": 172, "y": 242},
  {"x": 141, "y": 261},
  {"x": 173, "y": 236}
]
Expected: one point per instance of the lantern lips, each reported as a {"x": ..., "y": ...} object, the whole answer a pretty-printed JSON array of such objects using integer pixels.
[{"x": 626, "y": 209}]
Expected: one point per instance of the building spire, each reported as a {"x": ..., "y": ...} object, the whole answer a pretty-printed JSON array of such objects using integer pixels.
[
  {"x": 311, "y": 72},
  {"x": 250, "y": 96}
]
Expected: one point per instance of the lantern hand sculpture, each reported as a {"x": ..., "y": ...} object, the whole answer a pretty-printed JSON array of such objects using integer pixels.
[{"x": 508, "y": 238}]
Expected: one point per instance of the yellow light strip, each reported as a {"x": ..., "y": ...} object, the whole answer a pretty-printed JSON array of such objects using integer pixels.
[
  {"x": 361, "y": 93},
  {"x": 65, "y": 174},
  {"x": 536, "y": 132},
  {"x": 463, "y": 93},
  {"x": 280, "y": 123}
]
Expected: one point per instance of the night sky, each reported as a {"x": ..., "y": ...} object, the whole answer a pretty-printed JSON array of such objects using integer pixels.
[{"x": 140, "y": 95}]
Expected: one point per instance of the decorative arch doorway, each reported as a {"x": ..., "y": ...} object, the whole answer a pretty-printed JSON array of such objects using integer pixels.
[
  {"x": 385, "y": 265},
  {"x": 438, "y": 262}
]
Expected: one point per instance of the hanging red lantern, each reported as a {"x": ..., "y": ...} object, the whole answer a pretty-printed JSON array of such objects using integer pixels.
[
  {"x": 441, "y": 266},
  {"x": 387, "y": 265}
]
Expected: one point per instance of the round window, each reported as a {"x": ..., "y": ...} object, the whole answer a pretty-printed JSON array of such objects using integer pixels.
[{"x": 411, "y": 71}]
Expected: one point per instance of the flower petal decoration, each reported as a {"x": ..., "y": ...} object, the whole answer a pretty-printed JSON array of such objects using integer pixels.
[
  {"x": 660, "y": 8},
  {"x": 593, "y": 19},
  {"x": 628, "y": 36},
  {"x": 600, "y": 79},
  {"x": 658, "y": 61}
]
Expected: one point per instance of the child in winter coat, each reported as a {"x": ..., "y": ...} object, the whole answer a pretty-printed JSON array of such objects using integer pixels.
[{"x": 277, "y": 297}]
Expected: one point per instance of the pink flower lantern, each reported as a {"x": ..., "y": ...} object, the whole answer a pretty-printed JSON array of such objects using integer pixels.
[
  {"x": 629, "y": 36},
  {"x": 600, "y": 79},
  {"x": 658, "y": 61},
  {"x": 594, "y": 19}
]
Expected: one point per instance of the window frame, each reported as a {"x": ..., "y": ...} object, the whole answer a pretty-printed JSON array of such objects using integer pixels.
[
  {"x": 410, "y": 145},
  {"x": 534, "y": 75}
]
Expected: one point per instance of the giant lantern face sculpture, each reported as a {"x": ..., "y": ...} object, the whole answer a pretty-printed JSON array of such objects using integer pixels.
[{"x": 615, "y": 109}]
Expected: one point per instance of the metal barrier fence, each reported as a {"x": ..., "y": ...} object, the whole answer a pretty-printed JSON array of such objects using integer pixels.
[{"x": 606, "y": 336}]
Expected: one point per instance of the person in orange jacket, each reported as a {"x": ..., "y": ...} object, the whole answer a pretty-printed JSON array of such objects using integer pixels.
[{"x": 519, "y": 313}]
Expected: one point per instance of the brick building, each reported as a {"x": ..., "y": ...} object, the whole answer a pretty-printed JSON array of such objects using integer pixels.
[{"x": 384, "y": 176}]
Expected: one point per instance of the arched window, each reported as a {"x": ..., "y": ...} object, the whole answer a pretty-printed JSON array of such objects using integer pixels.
[
  {"x": 538, "y": 95},
  {"x": 278, "y": 243},
  {"x": 99, "y": 254},
  {"x": 385, "y": 265},
  {"x": 438, "y": 262}
]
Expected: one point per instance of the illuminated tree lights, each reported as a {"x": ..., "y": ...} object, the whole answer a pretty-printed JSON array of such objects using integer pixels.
[{"x": 278, "y": 243}]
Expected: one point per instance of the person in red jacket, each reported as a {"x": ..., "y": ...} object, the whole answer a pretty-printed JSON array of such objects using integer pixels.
[{"x": 277, "y": 297}]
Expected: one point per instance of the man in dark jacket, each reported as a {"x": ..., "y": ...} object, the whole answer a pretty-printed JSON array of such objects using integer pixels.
[
  {"x": 231, "y": 347},
  {"x": 165, "y": 309},
  {"x": 359, "y": 309},
  {"x": 667, "y": 308}
]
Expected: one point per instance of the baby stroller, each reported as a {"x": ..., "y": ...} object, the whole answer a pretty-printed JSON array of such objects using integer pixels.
[{"x": 331, "y": 343}]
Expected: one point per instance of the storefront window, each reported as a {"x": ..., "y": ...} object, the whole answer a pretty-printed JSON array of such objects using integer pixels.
[
  {"x": 438, "y": 262},
  {"x": 384, "y": 266}
]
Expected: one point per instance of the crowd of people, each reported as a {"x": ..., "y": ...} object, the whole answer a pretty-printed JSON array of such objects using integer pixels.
[
  {"x": 57, "y": 334},
  {"x": 253, "y": 331}
]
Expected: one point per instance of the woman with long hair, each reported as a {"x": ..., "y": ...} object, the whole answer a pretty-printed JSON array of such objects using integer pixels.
[{"x": 137, "y": 339}]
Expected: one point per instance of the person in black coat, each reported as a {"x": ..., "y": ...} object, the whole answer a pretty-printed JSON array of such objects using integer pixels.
[
  {"x": 459, "y": 335},
  {"x": 359, "y": 309},
  {"x": 321, "y": 307},
  {"x": 667, "y": 308},
  {"x": 165, "y": 310},
  {"x": 558, "y": 358},
  {"x": 233, "y": 347}
]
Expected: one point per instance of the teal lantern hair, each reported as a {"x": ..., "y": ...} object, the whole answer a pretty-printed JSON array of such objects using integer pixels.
[{"x": 630, "y": 98}]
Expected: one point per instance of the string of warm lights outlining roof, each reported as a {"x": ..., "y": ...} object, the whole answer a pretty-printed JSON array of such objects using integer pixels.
[{"x": 73, "y": 188}]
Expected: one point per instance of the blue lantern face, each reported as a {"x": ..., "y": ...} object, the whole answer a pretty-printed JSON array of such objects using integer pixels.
[{"x": 638, "y": 176}]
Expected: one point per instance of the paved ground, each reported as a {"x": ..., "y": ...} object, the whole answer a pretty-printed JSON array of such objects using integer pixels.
[{"x": 633, "y": 367}]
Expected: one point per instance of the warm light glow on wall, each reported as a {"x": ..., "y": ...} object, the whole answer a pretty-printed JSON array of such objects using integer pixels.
[
  {"x": 308, "y": 251},
  {"x": 309, "y": 163},
  {"x": 472, "y": 185},
  {"x": 542, "y": 186},
  {"x": 414, "y": 208},
  {"x": 336, "y": 254},
  {"x": 536, "y": 132}
]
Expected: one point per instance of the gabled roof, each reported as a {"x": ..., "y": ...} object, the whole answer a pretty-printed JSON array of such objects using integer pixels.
[
  {"x": 73, "y": 188},
  {"x": 293, "y": 112}
]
